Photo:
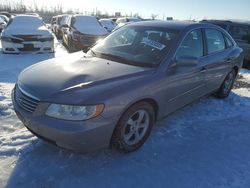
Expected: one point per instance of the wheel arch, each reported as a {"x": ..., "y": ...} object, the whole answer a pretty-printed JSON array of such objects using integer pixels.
[
  {"x": 152, "y": 102},
  {"x": 236, "y": 69}
]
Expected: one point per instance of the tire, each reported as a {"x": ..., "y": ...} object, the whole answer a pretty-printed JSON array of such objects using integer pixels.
[
  {"x": 70, "y": 48},
  {"x": 226, "y": 86},
  {"x": 134, "y": 127}
]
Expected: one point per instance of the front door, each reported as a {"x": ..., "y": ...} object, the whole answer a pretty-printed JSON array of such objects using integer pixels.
[{"x": 186, "y": 82}]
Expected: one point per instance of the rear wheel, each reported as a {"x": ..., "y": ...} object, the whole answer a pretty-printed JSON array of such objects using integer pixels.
[
  {"x": 226, "y": 86},
  {"x": 134, "y": 127}
]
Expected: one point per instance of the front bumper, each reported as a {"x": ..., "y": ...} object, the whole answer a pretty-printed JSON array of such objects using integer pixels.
[
  {"x": 80, "y": 136},
  {"x": 28, "y": 47}
]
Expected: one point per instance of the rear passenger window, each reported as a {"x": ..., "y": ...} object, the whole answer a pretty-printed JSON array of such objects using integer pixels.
[
  {"x": 192, "y": 45},
  {"x": 215, "y": 41}
]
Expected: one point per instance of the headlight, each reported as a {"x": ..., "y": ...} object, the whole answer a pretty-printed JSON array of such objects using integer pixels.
[
  {"x": 5, "y": 38},
  {"x": 75, "y": 113}
]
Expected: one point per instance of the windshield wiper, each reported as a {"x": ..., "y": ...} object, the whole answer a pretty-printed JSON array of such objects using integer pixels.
[
  {"x": 113, "y": 57},
  {"x": 92, "y": 52},
  {"x": 123, "y": 60}
]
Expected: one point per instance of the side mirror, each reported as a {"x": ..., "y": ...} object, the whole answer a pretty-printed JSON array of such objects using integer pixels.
[{"x": 185, "y": 61}]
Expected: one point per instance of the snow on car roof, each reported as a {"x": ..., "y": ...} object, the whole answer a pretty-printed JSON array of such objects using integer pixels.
[
  {"x": 27, "y": 19},
  {"x": 88, "y": 25}
]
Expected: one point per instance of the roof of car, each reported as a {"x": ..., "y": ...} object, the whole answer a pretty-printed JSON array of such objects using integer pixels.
[
  {"x": 239, "y": 21},
  {"x": 25, "y": 15},
  {"x": 103, "y": 19},
  {"x": 179, "y": 25}
]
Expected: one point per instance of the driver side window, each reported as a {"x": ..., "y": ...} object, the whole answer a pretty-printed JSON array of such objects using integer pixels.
[{"x": 191, "y": 46}]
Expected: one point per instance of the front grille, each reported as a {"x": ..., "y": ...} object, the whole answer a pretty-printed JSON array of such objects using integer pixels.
[
  {"x": 25, "y": 101},
  {"x": 28, "y": 49},
  {"x": 30, "y": 38}
]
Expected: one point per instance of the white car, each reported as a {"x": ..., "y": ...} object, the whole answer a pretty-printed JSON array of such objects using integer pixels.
[
  {"x": 2, "y": 24},
  {"x": 108, "y": 24},
  {"x": 27, "y": 33},
  {"x": 5, "y": 18}
]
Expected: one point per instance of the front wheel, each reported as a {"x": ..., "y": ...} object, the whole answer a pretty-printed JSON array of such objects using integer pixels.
[
  {"x": 134, "y": 127},
  {"x": 226, "y": 86}
]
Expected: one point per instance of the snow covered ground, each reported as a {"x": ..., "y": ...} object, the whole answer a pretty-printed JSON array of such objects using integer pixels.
[{"x": 206, "y": 144}]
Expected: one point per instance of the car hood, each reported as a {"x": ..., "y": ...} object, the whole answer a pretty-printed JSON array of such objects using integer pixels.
[
  {"x": 19, "y": 30},
  {"x": 51, "y": 78}
]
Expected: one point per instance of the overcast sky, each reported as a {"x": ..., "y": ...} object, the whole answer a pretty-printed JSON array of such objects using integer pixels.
[{"x": 179, "y": 9}]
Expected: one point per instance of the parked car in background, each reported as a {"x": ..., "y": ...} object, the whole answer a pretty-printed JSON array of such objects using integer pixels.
[
  {"x": 108, "y": 24},
  {"x": 2, "y": 24},
  {"x": 240, "y": 31},
  {"x": 5, "y": 18},
  {"x": 113, "y": 19},
  {"x": 26, "y": 33},
  {"x": 6, "y": 14},
  {"x": 81, "y": 32},
  {"x": 32, "y": 14},
  {"x": 57, "y": 23},
  {"x": 125, "y": 21},
  {"x": 113, "y": 95}
]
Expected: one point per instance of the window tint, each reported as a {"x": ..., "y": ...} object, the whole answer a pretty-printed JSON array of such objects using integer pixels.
[
  {"x": 215, "y": 40},
  {"x": 229, "y": 43},
  {"x": 239, "y": 32},
  {"x": 192, "y": 45}
]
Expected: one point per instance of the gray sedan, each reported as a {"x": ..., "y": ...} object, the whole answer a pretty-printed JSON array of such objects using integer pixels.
[{"x": 113, "y": 94}]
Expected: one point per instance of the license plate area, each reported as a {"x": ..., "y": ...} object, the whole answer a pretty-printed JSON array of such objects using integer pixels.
[{"x": 28, "y": 46}]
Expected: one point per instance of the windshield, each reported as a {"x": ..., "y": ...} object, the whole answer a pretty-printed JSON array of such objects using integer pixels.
[
  {"x": 85, "y": 21},
  {"x": 26, "y": 21},
  {"x": 137, "y": 45}
]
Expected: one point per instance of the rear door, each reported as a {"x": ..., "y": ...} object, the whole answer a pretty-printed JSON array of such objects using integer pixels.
[{"x": 217, "y": 59}]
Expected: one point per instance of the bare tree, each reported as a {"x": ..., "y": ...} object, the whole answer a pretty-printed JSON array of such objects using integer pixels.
[{"x": 153, "y": 16}]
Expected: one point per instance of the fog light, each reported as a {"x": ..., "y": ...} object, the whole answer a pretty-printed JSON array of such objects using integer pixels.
[{"x": 10, "y": 49}]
